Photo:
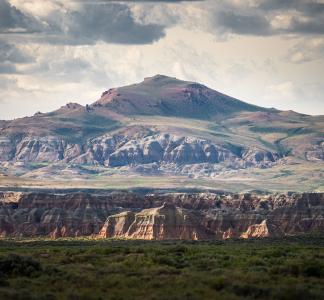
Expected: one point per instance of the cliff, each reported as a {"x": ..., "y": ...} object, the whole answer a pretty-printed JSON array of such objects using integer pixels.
[
  {"x": 162, "y": 223},
  {"x": 160, "y": 216},
  {"x": 119, "y": 150}
]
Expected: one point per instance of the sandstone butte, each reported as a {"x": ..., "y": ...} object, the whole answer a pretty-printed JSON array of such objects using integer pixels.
[{"x": 161, "y": 223}]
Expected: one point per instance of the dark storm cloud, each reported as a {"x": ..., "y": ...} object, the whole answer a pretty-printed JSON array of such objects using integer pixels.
[
  {"x": 314, "y": 26},
  {"x": 279, "y": 4},
  {"x": 305, "y": 6},
  {"x": 112, "y": 23},
  {"x": 309, "y": 18},
  {"x": 255, "y": 19},
  {"x": 12, "y": 19},
  {"x": 92, "y": 22},
  {"x": 305, "y": 17},
  {"x": 137, "y": 1},
  {"x": 242, "y": 24},
  {"x": 313, "y": 8},
  {"x": 10, "y": 57},
  {"x": 10, "y": 53}
]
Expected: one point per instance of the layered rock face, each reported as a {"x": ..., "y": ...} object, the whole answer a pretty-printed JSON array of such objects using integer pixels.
[
  {"x": 160, "y": 216},
  {"x": 121, "y": 150},
  {"x": 162, "y": 223},
  {"x": 116, "y": 226},
  {"x": 264, "y": 229},
  {"x": 52, "y": 215}
]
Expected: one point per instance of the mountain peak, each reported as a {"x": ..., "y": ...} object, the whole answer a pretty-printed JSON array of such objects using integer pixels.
[
  {"x": 169, "y": 96},
  {"x": 71, "y": 106},
  {"x": 159, "y": 77}
]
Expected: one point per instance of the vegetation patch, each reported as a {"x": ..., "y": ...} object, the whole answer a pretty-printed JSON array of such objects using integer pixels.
[
  {"x": 290, "y": 268},
  {"x": 288, "y": 131},
  {"x": 80, "y": 129}
]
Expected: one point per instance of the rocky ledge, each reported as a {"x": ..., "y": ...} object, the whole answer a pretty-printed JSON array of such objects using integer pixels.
[{"x": 159, "y": 216}]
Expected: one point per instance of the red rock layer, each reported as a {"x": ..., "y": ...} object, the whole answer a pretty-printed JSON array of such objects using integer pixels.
[
  {"x": 162, "y": 223},
  {"x": 195, "y": 215}
]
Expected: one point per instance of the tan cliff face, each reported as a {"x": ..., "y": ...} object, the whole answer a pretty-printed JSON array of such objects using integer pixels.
[
  {"x": 264, "y": 229},
  {"x": 159, "y": 215},
  {"x": 162, "y": 223},
  {"x": 117, "y": 225}
]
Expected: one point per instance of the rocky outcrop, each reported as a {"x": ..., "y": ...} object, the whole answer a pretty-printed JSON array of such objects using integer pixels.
[
  {"x": 118, "y": 150},
  {"x": 169, "y": 149},
  {"x": 116, "y": 226},
  {"x": 159, "y": 216},
  {"x": 46, "y": 149},
  {"x": 52, "y": 215},
  {"x": 316, "y": 152},
  {"x": 264, "y": 229},
  {"x": 166, "y": 222}
]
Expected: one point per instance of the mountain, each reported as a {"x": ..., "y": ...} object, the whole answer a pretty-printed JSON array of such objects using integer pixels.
[
  {"x": 165, "y": 96},
  {"x": 166, "y": 127}
]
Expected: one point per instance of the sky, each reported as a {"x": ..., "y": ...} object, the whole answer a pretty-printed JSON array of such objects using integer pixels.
[{"x": 265, "y": 52}]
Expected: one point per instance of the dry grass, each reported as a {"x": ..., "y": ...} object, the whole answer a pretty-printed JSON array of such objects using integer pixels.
[{"x": 294, "y": 177}]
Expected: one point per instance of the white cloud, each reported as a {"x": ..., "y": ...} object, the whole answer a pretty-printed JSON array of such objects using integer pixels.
[
  {"x": 306, "y": 50},
  {"x": 281, "y": 93}
]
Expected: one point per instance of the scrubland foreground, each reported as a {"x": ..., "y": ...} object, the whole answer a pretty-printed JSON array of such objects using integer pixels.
[{"x": 289, "y": 268}]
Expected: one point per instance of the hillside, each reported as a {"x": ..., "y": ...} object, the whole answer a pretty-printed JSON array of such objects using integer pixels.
[
  {"x": 161, "y": 127},
  {"x": 166, "y": 96}
]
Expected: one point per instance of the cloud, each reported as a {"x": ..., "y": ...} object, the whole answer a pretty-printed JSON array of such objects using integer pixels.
[
  {"x": 307, "y": 50},
  {"x": 7, "y": 68},
  {"x": 10, "y": 53},
  {"x": 284, "y": 92},
  {"x": 242, "y": 23},
  {"x": 85, "y": 23},
  {"x": 14, "y": 20},
  {"x": 281, "y": 92},
  {"x": 144, "y": 22},
  {"x": 6, "y": 83},
  {"x": 138, "y": 1},
  {"x": 306, "y": 98},
  {"x": 306, "y": 6},
  {"x": 10, "y": 57},
  {"x": 263, "y": 17},
  {"x": 113, "y": 23}
]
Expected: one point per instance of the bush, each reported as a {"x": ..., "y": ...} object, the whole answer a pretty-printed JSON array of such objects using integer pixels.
[
  {"x": 292, "y": 293},
  {"x": 313, "y": 270},
  {"x": 16, "y": 265}
]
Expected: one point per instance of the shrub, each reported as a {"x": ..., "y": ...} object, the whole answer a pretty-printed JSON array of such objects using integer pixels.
[
  {"x": 16, "y": 265},
  {"x": 313, "y": 270}
]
